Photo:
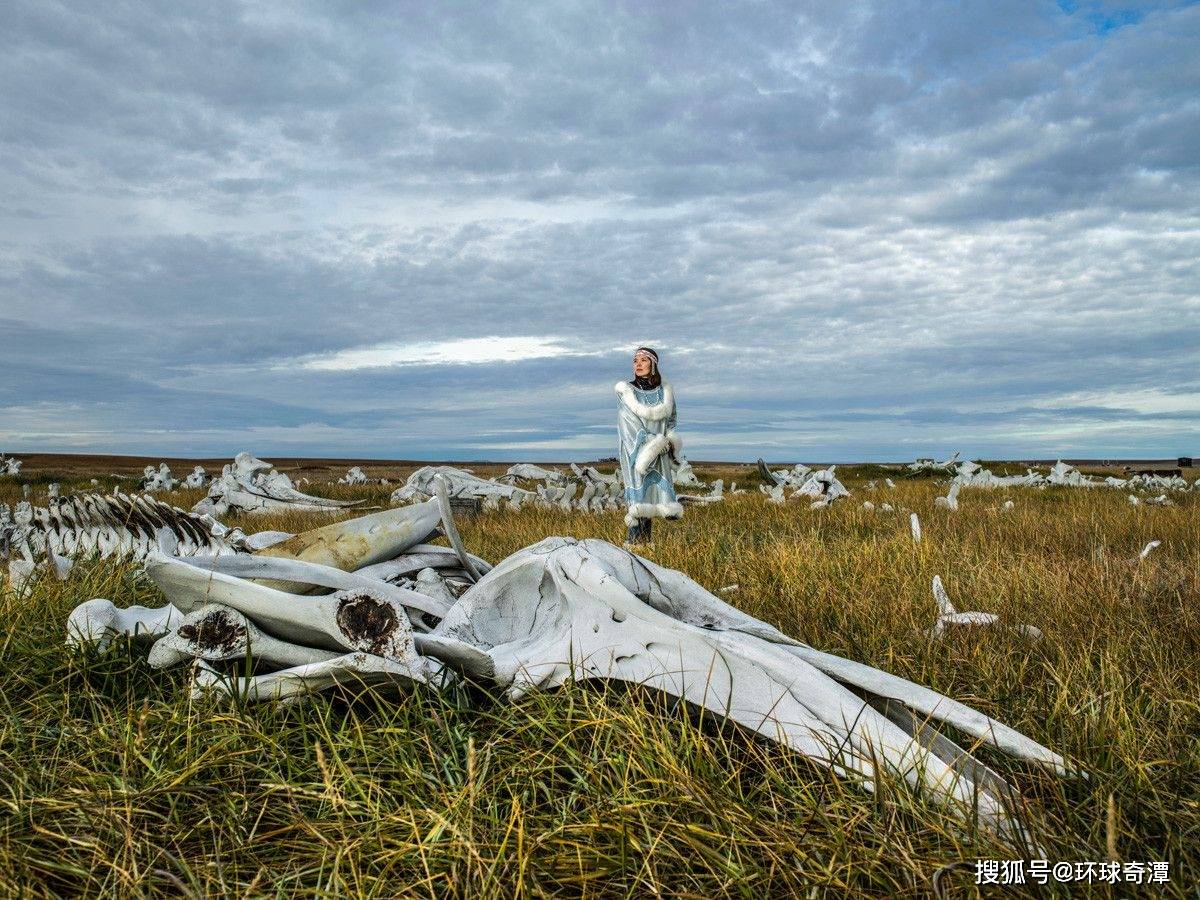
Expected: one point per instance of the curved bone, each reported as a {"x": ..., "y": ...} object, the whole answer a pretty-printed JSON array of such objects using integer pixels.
[
  {"x": 270, "y": 571},
  {"x": 355, "y": 620},
  {"x": 420, "y": 557},
  {"x": 98, "y": 621},
  {"x": 215, "y": 632},
  {"x": 767, "y": 475},
  {"x": 579, "y": 621},
  {"x": 352, "y": 669},
  {"x": 448, "y": 526},
  {"x": 950, "y": 501},
  {"x": 679, "y": 596},
  {"x": 914, "y": 525},
  {"x": 360, "y": 542}
]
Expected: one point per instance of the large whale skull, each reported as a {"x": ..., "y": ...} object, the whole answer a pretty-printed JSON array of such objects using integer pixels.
[{"x": 564, "y": 610}]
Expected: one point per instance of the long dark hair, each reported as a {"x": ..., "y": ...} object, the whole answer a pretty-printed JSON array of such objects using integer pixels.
[{"x": 654, "y": 379}]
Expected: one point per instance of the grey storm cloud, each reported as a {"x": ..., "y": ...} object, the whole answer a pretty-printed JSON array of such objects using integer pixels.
[{"x": 855, "y": 231}]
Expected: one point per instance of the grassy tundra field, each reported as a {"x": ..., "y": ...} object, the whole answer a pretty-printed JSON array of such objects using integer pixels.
[{"x": 115, "y": 783}]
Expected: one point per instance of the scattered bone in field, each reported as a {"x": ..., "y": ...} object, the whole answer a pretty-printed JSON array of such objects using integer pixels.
[
  {"x": 160, "y": 479},
  {"x": 197, "y": 479},
  {"x": 949, "y": 617},
  {"x": 354, "y": 476},
  {"x": 251, "y": 485},
  {"x": 560, "y": 610}
]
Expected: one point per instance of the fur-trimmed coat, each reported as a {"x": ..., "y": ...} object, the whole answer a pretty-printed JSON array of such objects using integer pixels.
[{"x": 646, "y": 435}]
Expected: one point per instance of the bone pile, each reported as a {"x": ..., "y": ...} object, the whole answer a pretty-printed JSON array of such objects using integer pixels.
[
  {"x": 112, "y": 526},
  {"x": 928, "y": 464},
  {"x": 560, "y": 610},
  {"x": 250, "y": 485},
  {"x": 529, "y": 472},
  {"x": 460, "y": 483},
  {"x": 1061, "y": 474},
  {"x": 197, "y": 479},
  {"x": 9, "y": 465},
  {"x": 821, "y": 487},
  {"x": 685, "y": 477},
  {"x": 585, "y": 489},
  {"x": 354, "y": 476},
  {"x": 160, "y": 479}
]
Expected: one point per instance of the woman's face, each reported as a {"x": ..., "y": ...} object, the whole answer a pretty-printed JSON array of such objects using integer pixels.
[{"x": 642, "y": 365}]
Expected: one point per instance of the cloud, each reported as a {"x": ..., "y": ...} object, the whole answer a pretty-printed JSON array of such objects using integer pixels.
[
  {"x": 852, "y": 231},
  {"x": 463, "y": 351}
]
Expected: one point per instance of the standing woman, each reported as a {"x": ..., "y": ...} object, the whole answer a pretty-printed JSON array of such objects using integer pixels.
[{"x": 648, "y": 446}]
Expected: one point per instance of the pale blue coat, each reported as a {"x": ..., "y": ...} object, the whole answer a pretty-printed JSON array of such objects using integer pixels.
[{"x": 646, "y": 433}]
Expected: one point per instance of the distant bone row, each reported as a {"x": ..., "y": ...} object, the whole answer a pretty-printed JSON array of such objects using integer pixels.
[{"x": 324, "y": 608}]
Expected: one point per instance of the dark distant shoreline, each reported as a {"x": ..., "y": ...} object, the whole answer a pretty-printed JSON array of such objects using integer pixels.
[{"x": 93, "y": 463}]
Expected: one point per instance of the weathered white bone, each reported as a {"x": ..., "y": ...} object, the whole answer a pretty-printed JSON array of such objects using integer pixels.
[
  {"x": 949, "y": 617},
  {"x": 774, "y": 494},
  {"x": 273, "y": 571},
  {"x": 420, "y": 557},
  {"x": 530, "y": 472},
  {"x": 685, "y": 477},
  {"x": 368, "y": 621},
  {"x": 767, "y": 475},
  {"x": 196, "y": 479},
  {"x": 448, "y": 526},
  {"x": 9, "y": 465},
  {"x": 116, "y": 525},
  {"x": 214, "y": 632},
  {"x": 822, "y": 484},
  {"x": 261, "y": 540},
  {"x": 99, "y": 621},
  {"x": 351, "y": 670},
  {"x": 247, "y": 486},
  {"x": 1146, "y": 550},
  {"x": 360, "y": 542},
  {"x": 914, "y": 525},
  {"x": 160, "y": 479},
  {"x": 889, "y": 482},
  {"x": 716, "y": 493},
  {"x": 354, "y": 476},
  {"x": 950, "y": 501},
  {"x": 562, "y": 610},
  {"x": 431, "y": 584},
  {"x": 929, "y": 465},
  {"x": 459, "y": 483},
  {"x": 21, "y": 569}
]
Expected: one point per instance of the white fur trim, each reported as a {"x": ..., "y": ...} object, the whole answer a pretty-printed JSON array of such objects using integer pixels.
[
  {"x": 676, "y": 441},
  {"x": 651, "y": 450},
  {"x": 652, "y": 511},
  {"x": 650, "y": 413}
]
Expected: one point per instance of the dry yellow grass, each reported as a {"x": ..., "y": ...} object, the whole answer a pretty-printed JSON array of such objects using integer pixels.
[{"x": 116, "y": 784}]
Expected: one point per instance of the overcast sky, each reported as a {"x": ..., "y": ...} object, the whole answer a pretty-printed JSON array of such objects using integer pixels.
[{"x": 853, "y": 231}]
